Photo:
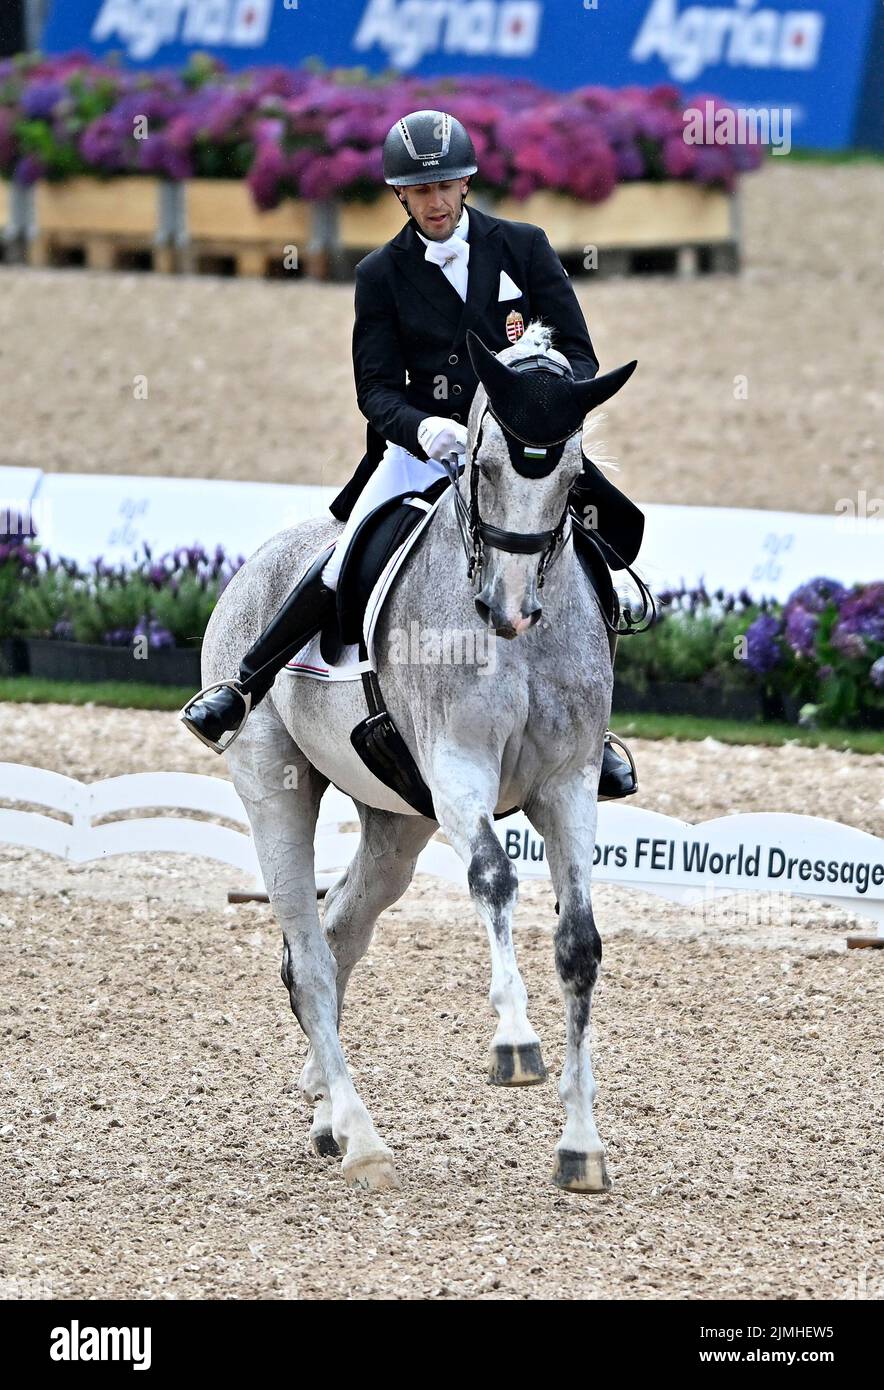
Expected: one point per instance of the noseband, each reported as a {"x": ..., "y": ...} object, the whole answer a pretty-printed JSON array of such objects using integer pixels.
[{"x": 477, "y": 534}]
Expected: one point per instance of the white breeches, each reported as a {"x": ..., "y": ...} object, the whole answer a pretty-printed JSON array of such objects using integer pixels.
[{"x": 398, "y": 471}]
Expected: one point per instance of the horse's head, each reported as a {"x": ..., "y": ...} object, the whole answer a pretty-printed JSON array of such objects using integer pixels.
[{"x": 525, "y": 431}]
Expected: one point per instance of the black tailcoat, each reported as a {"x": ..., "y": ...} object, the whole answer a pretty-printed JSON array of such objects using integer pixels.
[{"x": 410, "y": 355}]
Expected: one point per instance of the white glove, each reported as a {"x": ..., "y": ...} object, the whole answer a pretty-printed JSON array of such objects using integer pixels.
[{"x": 439, "y": 438}]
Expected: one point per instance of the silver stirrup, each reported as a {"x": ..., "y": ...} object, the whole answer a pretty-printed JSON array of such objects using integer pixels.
[
  {"x": 207, "y": 690},
  {"x": 612, "y": 738}
]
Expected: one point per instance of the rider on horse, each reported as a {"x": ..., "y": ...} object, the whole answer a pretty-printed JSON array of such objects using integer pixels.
[{"x": 449, "y": 270}]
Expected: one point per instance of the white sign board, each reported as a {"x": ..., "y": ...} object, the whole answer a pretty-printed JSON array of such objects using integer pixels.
[
  {"x": 84, "y": 515},
  {"x": 768, "y": 553},
  {"x": 761, "y": 852}
]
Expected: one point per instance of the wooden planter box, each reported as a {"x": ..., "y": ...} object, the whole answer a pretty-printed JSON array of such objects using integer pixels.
[
  {"x": 362, "y": 226},
  {"x": 679, "y": 217},
  {"x": 104, "y": 219},
  {"x": 220, "y": 220},
  {"x": 637, "y": 215}
]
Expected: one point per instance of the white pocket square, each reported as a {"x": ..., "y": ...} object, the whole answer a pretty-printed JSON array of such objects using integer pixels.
[{"x": 508, "y": 288}]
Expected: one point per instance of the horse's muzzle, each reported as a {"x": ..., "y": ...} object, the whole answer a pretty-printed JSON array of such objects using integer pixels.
[{"x": 504, "y": 626}]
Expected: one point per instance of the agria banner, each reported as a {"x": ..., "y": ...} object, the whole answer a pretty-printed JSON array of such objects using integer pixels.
[{"x": 812, "y": 57}]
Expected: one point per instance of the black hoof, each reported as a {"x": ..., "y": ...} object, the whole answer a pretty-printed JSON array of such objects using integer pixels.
[
  {"x": 580, "y": 1172},
  {"x": 519, "y": 1065},
  {"x": 324, "y": 1144}
]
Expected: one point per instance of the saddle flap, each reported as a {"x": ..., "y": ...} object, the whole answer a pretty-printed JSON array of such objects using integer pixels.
[{"x": 376, "y": 539}]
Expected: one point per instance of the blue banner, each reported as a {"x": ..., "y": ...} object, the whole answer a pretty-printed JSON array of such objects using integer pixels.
[{"x": 808, "y": 57}]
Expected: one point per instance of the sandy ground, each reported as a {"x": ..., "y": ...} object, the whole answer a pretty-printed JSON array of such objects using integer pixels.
[
  {"x": 153, "y": 1136},
  {"x": 253, "y": 380},
  {"x": 155, "y": 1142}
]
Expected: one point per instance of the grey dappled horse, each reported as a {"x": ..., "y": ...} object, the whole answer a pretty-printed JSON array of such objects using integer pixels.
[{"x": 527, "y": 733}]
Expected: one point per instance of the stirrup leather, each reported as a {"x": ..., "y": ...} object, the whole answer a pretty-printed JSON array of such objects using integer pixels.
[
  {"x": 613, "y": 739},
  {"x": 219, "y": 747}
]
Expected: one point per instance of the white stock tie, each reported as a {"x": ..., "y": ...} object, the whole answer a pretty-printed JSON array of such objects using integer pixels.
[{"x": 453, "y": 258}]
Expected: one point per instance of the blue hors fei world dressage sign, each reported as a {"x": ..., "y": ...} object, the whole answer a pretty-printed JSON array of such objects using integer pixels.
[{"x": 809, "y": 57}]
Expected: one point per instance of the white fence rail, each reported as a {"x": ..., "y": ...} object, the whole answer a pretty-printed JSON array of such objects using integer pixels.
[{"x": 765, "y": 852}]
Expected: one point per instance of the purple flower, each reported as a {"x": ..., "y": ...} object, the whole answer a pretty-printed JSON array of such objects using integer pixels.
[
  {"x": 63, "y": 631},
  {"x": 118, "y": 637},
  {"x": 801, "y": 629},
  {"x": 817, "y": 594},
  {"x": 679, "y": 158},
  {"x": 862, "y": 613},
  {"x": 156, "y": 635},
  {"x": 102, "y": 145},
  {"x": 849, "y": 644},
  {"x": 318, "y": 134},
  {"x": 876, "y": 673},
  {"x": 39, "y": 98},
  {"x": 266, "y": 175},
  {"x": 764, "y": 651}
]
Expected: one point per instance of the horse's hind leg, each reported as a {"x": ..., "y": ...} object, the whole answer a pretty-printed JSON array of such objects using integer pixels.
[
  {"x": 378, "y": 875},
  {"x": 281, "y": 793}
]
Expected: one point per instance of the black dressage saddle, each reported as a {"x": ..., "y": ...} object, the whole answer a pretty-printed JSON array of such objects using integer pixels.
[{"x": 377, "y": 538}]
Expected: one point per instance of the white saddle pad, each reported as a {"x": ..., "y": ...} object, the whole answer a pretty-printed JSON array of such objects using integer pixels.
[{"x": 309, "y": 662}]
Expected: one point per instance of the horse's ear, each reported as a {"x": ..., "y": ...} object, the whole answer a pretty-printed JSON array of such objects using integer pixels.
[
  {"x": 494, "y": 375},
  {"x": 594, "y": 393}
]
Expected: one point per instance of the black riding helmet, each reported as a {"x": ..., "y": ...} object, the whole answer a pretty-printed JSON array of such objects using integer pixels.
[{"x": 427, "y": 147}]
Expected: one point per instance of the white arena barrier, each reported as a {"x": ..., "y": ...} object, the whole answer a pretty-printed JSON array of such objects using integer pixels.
[
  {"x": 765, "y": 852},
  {"x": 84, "y": 515}
]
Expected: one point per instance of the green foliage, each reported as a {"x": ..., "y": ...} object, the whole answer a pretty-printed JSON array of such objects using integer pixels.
[
  {"x": 185, "y": 611},
  {"x": 60, "y": 159},
  {"x": 117, "y": 694}
]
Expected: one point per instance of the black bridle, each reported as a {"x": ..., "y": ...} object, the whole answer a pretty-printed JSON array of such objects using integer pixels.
[{"x": 477, "y": 534}]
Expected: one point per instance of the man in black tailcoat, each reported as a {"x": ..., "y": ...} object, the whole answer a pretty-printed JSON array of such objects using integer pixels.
[{"x": 449, "y": 270}]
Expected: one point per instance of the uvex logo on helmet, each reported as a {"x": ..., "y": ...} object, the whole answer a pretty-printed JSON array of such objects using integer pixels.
[{"x": 427, "y": 147}]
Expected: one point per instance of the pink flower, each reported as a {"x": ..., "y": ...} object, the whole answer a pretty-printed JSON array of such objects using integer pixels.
[
  {"x": 679, "y": 158},
  {"x": 266, "y": 175}
]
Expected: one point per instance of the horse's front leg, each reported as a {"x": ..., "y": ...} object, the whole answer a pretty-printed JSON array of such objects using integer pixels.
[
  {"x": 464, "y": 796},
  {"x": 565, "y": 815}
]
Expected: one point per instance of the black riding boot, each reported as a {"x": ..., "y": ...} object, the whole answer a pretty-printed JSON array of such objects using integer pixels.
[
  {"x": 224, "y": 707},
  {"x": 618, "y": 777}
]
